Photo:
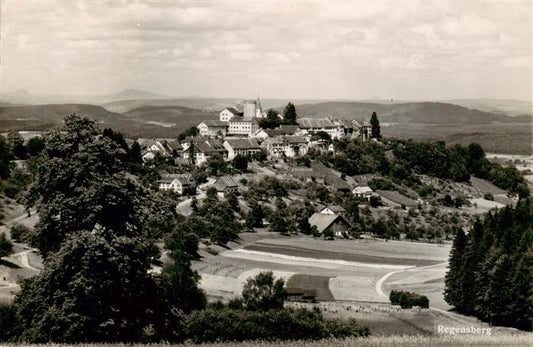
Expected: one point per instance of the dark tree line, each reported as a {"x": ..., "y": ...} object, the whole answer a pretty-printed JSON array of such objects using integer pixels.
[
  {"x": 491, "y": 269},
  {"x": 97, "y": 234},
  {"x": 409, "y": 158}
]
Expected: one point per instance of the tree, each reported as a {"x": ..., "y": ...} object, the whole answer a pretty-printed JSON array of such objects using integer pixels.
[
  {"x": 135, "y": 154},
  {"x": 376, "y": 130},
  {"x": 34, "y": 146},
  {"x": 454, "y": 293},
  {"x": 5, "y": 158},
  {"x": 233, "y": 202},
  {"x": 192, "y": 153},
  {"x": 90, "y": 290},
  {"x": 271, "y": 121},
  {"x": 263, "y": 292},
  {"x": 240, "y": 162},
  {"x": 6, "y": 246},
  {"x": 16, "y": 144},
  {"x": 192, "y": 131},
  {"x": 96, "y": 234},
  {"x": 289, "y": 114}
]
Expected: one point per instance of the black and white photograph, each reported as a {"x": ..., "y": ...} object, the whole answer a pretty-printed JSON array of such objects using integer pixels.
[{"x": 266, "y": 173}]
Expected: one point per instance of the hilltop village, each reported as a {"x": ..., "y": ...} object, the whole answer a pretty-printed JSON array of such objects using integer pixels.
[
  {"x": 248, "y": 149},
  {"x": 238, "y": 131}
]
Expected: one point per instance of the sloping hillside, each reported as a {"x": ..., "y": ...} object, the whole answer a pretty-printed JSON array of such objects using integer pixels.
[
  {"x": 420, "y": 112},
  {"x": 142, "y": 122},
  {"x": 41, "y": 117}
]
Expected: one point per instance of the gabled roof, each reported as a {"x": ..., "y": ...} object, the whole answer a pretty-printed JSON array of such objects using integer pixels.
[
  {"x": 335, "y": 208},
  {"x": 362, "y": 190},
  {"x": 323, "y": 221},
  {"x": 224, "y": 182},
  {"x": 234, "y": 111},
  {"x": 184, "y": 179},
  {"x": 241, "y": 119},
  {"x": 175, "y": 145},
  {"x": 243, "y": 143},
  {"x": 215, "y": 123},
  {"x": 288, "y": 139},
  {"x": 207, "y": 148},
  {"x": 313, "y": 123},
  {"x": 195, "y": 139}
]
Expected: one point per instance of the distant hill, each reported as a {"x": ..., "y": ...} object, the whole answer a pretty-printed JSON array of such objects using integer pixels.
[
  {"x": 418, "y": 112},
  {"x": 142, "y": 122},
  {"x": 211, "y": 104},
  {"x": 24, "y": 97},
  {"x": 508, "y": 107},
  {"x": 40, "y": 117},
  {"x": 195, "y": 103}
]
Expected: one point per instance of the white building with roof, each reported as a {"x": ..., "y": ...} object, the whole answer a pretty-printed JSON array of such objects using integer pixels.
[
  {"x": 245, "y": 147},
  {"x": 179, "y": 183},
  {"x": 289, "y": 146},
  {"x": 229, "y": 112},
  {"x": 213, "y": 128}
]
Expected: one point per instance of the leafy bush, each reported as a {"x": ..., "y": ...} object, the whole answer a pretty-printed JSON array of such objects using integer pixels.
[
  {"x": 8, "y": 323},
  {"x": 408, "y": 299},
  {"x": 228, "y": 324},
  {"x": 20, "y": 232}
]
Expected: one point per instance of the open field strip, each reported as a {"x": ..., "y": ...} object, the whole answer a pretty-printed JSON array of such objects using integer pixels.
[
  {"x": 378, "y": 248},
  {"x": 462, "y": 340},
  {"x": 293, "y": 260}
]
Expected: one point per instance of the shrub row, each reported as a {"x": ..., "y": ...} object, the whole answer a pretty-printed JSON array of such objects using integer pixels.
[
  {"x": 227, "y": 324},
  {"x": 408, "y": 299}
]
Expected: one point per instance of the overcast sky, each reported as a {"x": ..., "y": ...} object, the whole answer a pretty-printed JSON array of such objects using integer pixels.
[{"x": 350, "y": 50}]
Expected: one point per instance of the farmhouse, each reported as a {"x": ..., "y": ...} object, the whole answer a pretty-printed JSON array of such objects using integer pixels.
[
  {"x": 335, "y": 222},
  {"x": 213, "y": 128},
  {"x": 203, "y": 151},
  {"x": 363, "y": 192},
  {"x": 245, "y": 147},
  {"x": 224, "y": 185},
  {"x": 332, "y": 210},
  {"x": 335, "y": 128},
  {"x": 289, "y": 146},
  {"x": 364, "y": 129},
  {"x": 179, "y": 183},
  {"x": 228, "y": 113}
]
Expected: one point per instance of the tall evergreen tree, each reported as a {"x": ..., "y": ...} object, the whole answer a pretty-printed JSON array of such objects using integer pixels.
[
  {"x": 289, "y": 114},
  {"x": 454, "y": 294},
  {"x": 376, "y": 129}
]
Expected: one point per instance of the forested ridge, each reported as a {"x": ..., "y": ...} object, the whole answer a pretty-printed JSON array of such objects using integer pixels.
[{"x": 491, "y": 268}]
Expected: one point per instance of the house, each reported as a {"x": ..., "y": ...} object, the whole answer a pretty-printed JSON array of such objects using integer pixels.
[
  {"x": 260, "y": 134},
  {"x": 228, "y": 113},
  {"x": 334, "y": 128},
  {"x": 363, "y": 129},
  {"x": 333, "y": 210},
  {"x": 395, "y": 199},
  {"x": 207, "y": 150},
  {"x": 335, "y": 222},
  {"x": 152, "y": 147},
  {"x": 363, "y": 192},
  {"x": 242, "y": 126},
  {"x": 245, "y": 147},
  {"x": 224, "y": 185},
  {"x": 213, "y": 128},
  {"x": 179, "y": 183},
  {"x": 289, "y": 146}
]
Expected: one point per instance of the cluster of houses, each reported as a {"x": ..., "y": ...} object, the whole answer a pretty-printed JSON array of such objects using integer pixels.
[{"x": 237, "y": 132}]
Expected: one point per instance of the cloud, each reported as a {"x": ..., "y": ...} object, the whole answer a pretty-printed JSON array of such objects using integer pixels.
[{"x": 340, "y": 46}]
